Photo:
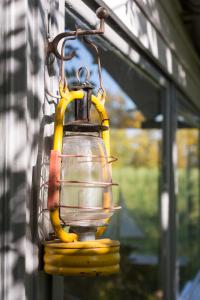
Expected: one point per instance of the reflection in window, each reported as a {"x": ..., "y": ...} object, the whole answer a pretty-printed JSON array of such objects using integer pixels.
[{"x": 188, "y": 239}]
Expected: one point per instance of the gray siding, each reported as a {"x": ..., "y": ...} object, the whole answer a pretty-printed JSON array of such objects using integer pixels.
[{"x": 24, "y": 118}]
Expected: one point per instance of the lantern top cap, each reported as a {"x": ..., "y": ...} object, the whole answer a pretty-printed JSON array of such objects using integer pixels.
[{"x": 84, "y": 126}]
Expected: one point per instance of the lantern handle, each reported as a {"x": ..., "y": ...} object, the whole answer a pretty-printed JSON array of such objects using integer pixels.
[
  {"x": 92, "y": 44},
  {"x": 63, "y": 58}
]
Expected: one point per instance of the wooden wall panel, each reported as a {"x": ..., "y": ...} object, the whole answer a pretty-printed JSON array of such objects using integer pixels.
[{"x": 26, "y": 124}]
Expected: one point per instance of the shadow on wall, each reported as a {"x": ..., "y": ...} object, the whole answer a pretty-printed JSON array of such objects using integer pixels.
[{"x": 22, "y": 128}]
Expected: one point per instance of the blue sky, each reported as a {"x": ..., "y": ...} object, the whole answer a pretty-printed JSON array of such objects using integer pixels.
[{"x": 86, "y": 59}]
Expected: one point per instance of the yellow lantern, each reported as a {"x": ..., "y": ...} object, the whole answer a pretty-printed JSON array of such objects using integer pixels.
[{"x": 80, "y": 190}]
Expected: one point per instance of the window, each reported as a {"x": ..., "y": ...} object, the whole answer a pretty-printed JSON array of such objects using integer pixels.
[
  {"x": 134, "y": 107},
  {"x": 188, "y": 202}
]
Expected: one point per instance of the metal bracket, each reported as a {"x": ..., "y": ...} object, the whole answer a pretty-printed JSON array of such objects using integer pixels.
[{"x": 53, "y": 45}]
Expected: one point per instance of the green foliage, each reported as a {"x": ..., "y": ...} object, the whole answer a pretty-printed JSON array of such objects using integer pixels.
[
  {"x": 140, "y": 190},
  {"x": 187, "y": 142},
  {"x": 136, "y": 147},
  {"x": 188, "y": 238}
]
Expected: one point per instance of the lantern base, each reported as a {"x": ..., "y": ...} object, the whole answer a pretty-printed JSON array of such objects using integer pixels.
[{"x": 91, "y": 258}]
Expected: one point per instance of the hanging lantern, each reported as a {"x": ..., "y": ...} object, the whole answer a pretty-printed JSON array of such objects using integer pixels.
[
  {"x": 80, "y": 190},
  {"x": 79, "y": 205}
]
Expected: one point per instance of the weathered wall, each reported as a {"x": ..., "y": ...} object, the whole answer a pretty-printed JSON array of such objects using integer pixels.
[{"x": 25, "y": 122}]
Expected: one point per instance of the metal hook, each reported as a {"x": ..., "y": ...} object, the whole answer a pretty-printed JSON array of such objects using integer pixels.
[
  {"x": 98, "y": 62},
  {"x": 53, "y": 45}
]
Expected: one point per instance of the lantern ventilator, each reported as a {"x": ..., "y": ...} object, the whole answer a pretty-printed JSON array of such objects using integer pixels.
[{"x": 80, "y": 185}]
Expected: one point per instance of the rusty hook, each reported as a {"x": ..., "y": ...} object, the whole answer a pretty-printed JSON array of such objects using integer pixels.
[{"x": 53, "y": 45}]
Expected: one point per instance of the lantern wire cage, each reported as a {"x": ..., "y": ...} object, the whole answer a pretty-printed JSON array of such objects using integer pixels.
[{"x": 99, "y": 184}]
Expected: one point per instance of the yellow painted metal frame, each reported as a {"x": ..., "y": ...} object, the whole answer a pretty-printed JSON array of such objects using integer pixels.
[
  {"x": 67, "y": 256},
  {"x": 66, "y": 98},
  {"x": 91, "y": 258}
]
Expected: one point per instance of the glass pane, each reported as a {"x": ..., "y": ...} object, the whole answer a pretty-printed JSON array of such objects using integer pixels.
[
  {"x": 188, "y": 238},
  {"x": 133, "y": 104}
]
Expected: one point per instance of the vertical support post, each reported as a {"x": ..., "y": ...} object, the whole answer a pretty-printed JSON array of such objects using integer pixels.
[{"x": 168, "y": 197}]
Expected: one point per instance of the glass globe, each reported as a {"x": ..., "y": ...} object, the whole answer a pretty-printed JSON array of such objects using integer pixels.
[{"x": 86, "y": 195}]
